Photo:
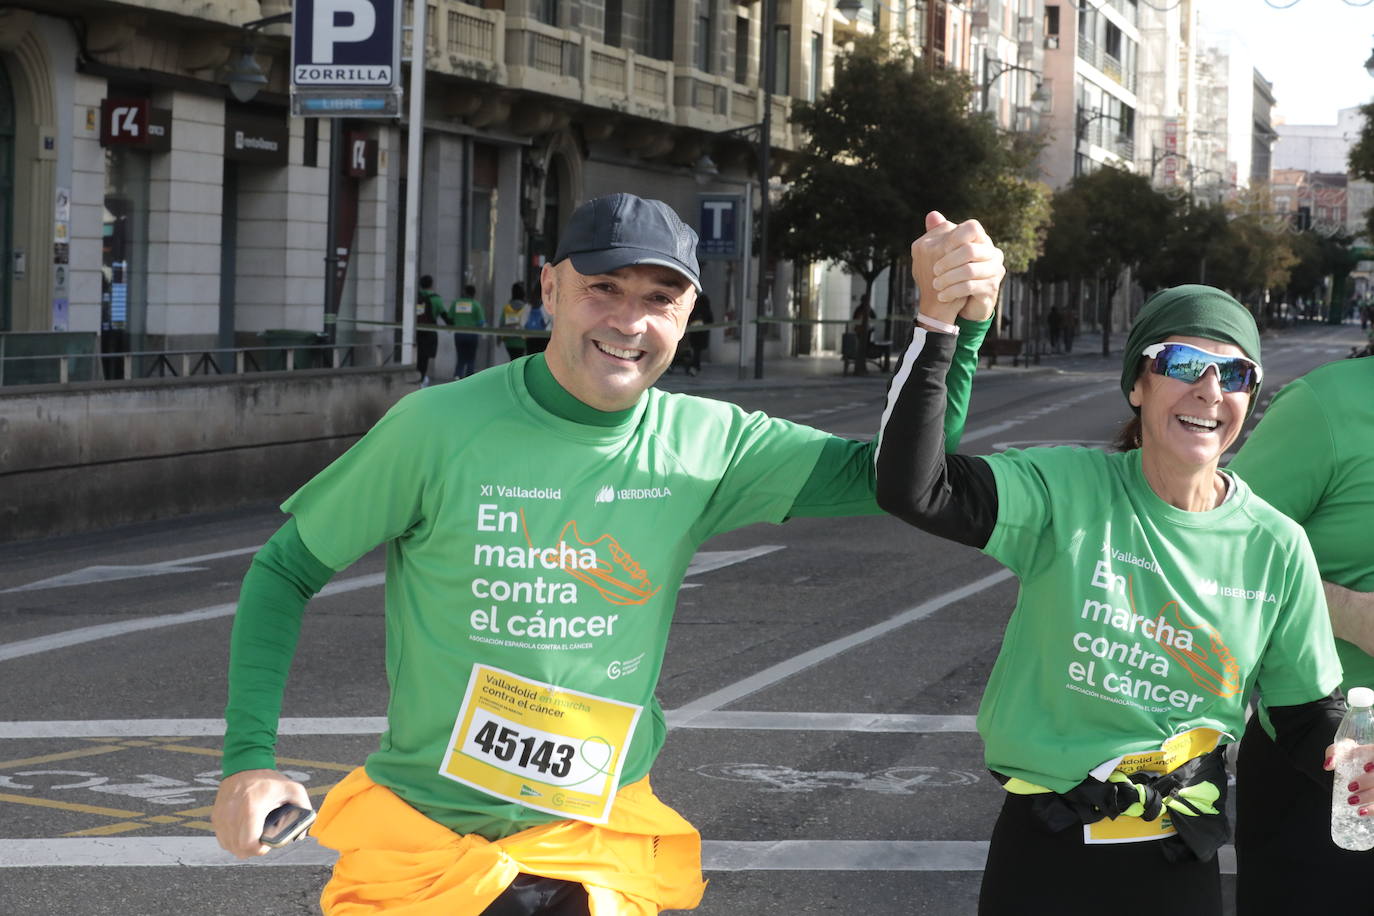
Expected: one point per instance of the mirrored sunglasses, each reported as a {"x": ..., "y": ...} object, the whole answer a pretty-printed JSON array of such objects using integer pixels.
[{"x": 1187, "y": 363}]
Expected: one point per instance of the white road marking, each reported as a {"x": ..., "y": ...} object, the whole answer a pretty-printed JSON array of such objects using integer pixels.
[
  {"x": 716, "y": 855},
  {"x": 817, "y": 722},
  {"x": 984, "y": 432},
  {"x": 26, "y": 647},
  {"x": 709, "y": 560},
  {"x": 766, "y": 678},
  {"x": 375, "y": 725},
  {"x": 703, "y": 561},
  {"x": 92, "y": 574}
]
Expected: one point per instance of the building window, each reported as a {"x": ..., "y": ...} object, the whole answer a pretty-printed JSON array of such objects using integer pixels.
[
  {"x": 813, "y": 88},
  {"x": 660, "y": 16},
  {"x": 1111, "y": 43},
  {"x": 741, "y": 49},
  {"x": 782, "y": 59},
  {"x": 701, "y": 41},
  {"x": 614, "y": 23},
  {"x": 1051, "y": 27},
  {"x": 546, "y": 11}
]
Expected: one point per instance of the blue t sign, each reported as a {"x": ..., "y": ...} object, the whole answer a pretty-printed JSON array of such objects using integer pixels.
[{"x": 718, "y": 233}]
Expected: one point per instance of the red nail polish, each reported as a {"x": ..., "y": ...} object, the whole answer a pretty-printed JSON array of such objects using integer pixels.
[
  {"x": 1354, "y": 800},
  {"x": 1327, "y": 765},
  {"x": 1369, "y": 767},
  {"x": 1362, "y": 812},
  {"x": 1353, "y": 787}
]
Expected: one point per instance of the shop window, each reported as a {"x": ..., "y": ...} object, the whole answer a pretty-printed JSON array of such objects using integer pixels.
[
  {"x": 124, "y": 253},
  {"x": 8, "y": 254}
]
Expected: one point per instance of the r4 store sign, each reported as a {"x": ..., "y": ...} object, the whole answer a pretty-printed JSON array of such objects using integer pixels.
[{"x": 135, "y": 123}]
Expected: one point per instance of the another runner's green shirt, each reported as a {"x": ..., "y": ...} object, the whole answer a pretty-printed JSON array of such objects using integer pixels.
[
  {"x": 1312, "y": 458},
  {"x": 1137, "y": 620},
  {"x": 466, "y": 313}
]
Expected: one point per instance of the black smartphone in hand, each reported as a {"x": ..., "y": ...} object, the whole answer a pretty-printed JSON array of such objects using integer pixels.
[{"x": 286, "y": 825}]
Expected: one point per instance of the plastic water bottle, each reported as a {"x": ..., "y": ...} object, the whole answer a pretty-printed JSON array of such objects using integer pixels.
[{"x": 1348, "y": 829}]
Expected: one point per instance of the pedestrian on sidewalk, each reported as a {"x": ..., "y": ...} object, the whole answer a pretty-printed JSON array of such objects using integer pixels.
[
  {"x": 1323, "y": 424},
  {"x": 428, "y": 305},
  {"x": 514, "y": 314},
  {"x": 1054, "y": 320},
  {"x": 1137, "y": 637},
  {"x": 465, "y": 312},
  {"x": 527, "y": 609},
  {"x": 699, "y": 340}
]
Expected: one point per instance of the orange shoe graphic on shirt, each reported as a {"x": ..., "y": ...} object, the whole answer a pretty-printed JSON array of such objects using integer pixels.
[
  {"x": 1203, "y": 652},
  {"x": 616, "y": 575}
]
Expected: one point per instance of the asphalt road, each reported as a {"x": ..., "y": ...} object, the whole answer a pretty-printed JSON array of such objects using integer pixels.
[{"x": 821, "y": 680}]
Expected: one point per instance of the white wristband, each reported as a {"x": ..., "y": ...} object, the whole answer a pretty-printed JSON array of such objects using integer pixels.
[{"x": 936, "y": 324}]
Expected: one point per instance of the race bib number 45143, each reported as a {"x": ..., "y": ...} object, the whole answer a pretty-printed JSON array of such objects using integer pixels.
[{"x": 540, "y": 746}]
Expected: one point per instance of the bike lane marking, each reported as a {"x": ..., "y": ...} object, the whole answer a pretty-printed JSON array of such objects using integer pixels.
[{"x": 148, "y": 786}]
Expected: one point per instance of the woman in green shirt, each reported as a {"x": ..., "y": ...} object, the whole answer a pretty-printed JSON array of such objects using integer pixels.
[{"x": 1156, "y": 594}]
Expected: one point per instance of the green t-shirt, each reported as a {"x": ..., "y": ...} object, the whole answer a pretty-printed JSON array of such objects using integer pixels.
[
  {"x": 1137, "y": 621},
  {"x": 556, "y": 562},
  {"x": 1312, "y": 458},
  {"x": 466, "y": 313}
]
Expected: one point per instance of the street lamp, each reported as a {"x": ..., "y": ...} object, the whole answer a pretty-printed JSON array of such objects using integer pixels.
[
  {"x": 1081, "y": 129},
  {"x": 1038, "y": 98},
  {"x": 244, "y": 77}
]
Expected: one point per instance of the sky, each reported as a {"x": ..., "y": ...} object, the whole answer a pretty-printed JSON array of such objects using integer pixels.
[{"x": 1313, "y": 51}]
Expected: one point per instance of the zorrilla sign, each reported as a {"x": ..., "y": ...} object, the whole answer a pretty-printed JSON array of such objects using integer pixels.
[{"x": 346, "y": 43}]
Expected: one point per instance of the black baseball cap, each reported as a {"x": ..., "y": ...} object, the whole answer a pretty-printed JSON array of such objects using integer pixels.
[{"x": 620, "y": 230}]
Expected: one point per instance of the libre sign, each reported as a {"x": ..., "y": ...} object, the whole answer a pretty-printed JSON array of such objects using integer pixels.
[{"x": 345, "y": 57}]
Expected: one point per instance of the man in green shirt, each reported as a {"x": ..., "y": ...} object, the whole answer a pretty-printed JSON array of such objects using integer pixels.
[
  {"x": 528, "y": 607},
  {"x": 465, "y": 313}
]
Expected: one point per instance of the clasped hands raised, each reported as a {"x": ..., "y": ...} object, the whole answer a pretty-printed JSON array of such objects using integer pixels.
[{"x": 957, "y": 269}]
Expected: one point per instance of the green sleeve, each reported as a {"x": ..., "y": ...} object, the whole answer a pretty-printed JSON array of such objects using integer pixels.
[
  {"x": 959, "y": 379},
  {"x": 283, "y": 577},
  {"x": 481, "y": 315},
  {"x": 1290, "y": 459},
  {"x": 843, "y": 480}
]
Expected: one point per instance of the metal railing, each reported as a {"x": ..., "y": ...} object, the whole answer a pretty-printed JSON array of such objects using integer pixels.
[{"x": 63, "y": 368}]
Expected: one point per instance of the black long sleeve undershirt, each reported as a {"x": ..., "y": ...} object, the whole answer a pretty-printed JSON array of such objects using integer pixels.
[{"x": 953, "y": 496}]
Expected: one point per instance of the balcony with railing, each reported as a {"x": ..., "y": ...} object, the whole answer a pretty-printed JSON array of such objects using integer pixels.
[
  {"x": 1106, "y": 134},
  {"x": 525, "y": 54},
  {"x": 542, "y": 58},
  {"x": 1110, "y": 66},
  {"x": 460, "y": 40}
]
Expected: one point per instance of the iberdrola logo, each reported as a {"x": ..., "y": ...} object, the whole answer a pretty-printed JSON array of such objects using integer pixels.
[
  {"x": 1207, "y": 586},
  {"x": 606, "y": 494}
]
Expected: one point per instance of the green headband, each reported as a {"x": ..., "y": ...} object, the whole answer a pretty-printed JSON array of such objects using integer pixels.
[{"x": 1189, "y": 311}]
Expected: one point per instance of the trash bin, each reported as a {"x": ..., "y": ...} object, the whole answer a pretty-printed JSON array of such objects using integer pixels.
[{"x": 297, "y": 343}]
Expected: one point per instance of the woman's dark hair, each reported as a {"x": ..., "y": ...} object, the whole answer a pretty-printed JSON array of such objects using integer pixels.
[
  {"x": 517, "y": 291},
  {"x": 1129, "y": 436}
]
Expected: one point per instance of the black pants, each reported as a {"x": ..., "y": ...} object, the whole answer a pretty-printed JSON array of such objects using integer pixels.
[
  {"x": 533, "y": 895},
  {"x": 426, "y": 345},
  {"x": 1285, "y": 860},
  {"x": 1032, "y": 870}
]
